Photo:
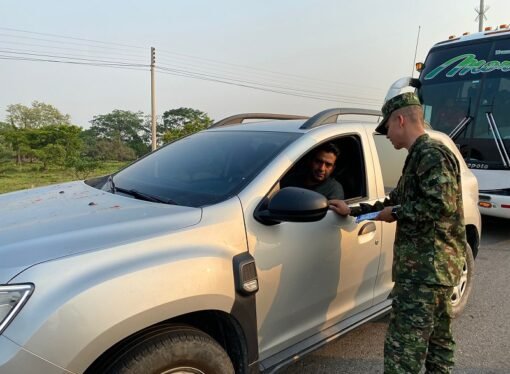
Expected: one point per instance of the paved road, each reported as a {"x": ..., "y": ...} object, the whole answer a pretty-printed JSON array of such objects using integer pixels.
[{"x": 482, "y": 332}]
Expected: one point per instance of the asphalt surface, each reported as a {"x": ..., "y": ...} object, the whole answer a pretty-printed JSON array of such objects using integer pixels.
[{"x": 482, "y": 331}]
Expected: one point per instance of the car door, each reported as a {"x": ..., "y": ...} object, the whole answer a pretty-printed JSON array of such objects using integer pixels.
[{"x": 311, "y": 275}]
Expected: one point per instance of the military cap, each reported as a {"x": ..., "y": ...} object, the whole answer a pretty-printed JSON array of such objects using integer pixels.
[{"x": 397, "y": 102}]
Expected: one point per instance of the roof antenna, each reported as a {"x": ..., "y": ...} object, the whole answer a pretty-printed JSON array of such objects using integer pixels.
[{"x": 415, "y": 51}]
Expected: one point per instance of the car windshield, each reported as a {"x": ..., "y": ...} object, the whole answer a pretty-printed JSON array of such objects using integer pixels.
[{"x": 201, "y": 169}]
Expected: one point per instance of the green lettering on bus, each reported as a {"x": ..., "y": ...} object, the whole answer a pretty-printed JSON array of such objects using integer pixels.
[
  {"x": 444, "y": 65},
  {"x": 468, "y": 63},
  {"x": 505, "y": 66}
]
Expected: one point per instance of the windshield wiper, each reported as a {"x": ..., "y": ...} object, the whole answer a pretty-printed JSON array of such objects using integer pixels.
[
  {"x": 142, "y": 195},
  {"x": 137, "y": 194},
  {"x": 112, "y": 184},
  {"x": 462, "y": 124},
  {"x": 500, "y": 144},
  {"x": 460, "y": 127}
]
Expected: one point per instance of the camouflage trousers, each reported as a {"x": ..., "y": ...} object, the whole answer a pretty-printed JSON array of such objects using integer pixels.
[{"x": 420, "y": 330}]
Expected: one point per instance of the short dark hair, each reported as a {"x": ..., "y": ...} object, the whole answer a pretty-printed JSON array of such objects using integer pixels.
[{"x": 328, "y": 148}]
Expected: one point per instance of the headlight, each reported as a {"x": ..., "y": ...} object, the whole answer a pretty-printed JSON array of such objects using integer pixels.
[{"x": 12, "y": 298}]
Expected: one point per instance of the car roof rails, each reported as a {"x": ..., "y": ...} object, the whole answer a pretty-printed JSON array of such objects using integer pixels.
[
  {"x": 239, "y": 118},
  {"x": 331, "y": 116},
  {"x": 322, "y": 118}
]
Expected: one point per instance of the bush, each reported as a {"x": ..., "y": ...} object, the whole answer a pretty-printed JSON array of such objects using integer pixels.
[
  {"x": 105, "y": 150},
  {"x": 83, "y": 167},
  {"x": 6, "y": 153}
]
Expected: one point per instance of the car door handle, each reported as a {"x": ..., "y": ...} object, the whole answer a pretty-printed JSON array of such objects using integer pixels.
[{"x": 366, "y": 228}]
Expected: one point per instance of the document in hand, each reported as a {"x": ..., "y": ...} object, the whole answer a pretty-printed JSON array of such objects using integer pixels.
[
  {"x": 367, "y": 216},
  {"x": 372, "y": 215}
]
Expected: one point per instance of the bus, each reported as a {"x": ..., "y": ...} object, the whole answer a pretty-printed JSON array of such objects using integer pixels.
[{"x": 464, "y": 86}]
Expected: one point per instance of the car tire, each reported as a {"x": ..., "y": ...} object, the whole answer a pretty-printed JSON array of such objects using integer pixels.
[
  {"x": 462, "y": 291},
  {"x": 180, "y": 349}
]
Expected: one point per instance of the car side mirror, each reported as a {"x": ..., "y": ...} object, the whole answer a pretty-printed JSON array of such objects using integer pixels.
[{"x": 292, "y": 204}]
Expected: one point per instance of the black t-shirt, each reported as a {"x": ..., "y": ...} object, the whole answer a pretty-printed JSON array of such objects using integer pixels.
[{"x": 330, "y": 188}]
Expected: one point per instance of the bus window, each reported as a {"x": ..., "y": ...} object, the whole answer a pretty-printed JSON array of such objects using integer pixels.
[{"x": 496, "y": 99}]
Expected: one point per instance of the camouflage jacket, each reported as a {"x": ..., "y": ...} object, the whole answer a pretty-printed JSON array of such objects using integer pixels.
[{"x": 430, "y": 242}]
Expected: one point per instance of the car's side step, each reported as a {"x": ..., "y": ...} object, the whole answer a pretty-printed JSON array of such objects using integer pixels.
[{"x": 295, "y": 352}]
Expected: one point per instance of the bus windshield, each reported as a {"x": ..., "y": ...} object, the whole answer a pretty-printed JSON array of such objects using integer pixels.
[{"x": 466, "y": 94}]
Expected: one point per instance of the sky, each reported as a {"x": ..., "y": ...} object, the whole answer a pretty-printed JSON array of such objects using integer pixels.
[{"x": 222, "y": 57}]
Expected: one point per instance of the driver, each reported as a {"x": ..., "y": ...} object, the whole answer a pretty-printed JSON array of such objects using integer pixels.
[{"x": 317, "y": 176}]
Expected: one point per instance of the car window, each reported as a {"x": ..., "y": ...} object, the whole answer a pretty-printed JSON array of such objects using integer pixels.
[
  {"x": 349, "y": 170},
  {"x": 204, "y": 168}
]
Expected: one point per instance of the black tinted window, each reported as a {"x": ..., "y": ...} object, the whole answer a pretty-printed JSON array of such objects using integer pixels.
[{"x": 204, "y": 168}]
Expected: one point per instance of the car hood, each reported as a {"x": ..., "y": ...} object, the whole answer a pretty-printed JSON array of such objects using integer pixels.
[{"x": 46, "y": 223}]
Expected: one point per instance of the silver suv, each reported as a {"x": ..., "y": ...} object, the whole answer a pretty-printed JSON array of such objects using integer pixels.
[{"x": 194, "y": 260}]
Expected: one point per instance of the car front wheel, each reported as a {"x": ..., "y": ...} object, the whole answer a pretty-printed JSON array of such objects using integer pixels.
[{"x": 179, "y": 350}]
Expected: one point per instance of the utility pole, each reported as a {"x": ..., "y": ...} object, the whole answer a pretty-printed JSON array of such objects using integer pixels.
[
  {"x": 481, "y": 15},
  {"x": 153, "y": 99}
]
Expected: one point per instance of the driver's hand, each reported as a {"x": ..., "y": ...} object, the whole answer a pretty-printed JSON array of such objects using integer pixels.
[{"x": 339, "y": 207}]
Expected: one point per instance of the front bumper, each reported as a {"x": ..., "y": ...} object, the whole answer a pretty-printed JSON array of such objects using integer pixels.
[
  {"x": 499, "y": 205},
  {"x": 15, "y": 360}
]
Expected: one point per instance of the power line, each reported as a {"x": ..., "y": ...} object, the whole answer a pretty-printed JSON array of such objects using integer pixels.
[
  {"x": 112, "y": 65},
  {"x": 80, "y": 57},
  {"x": 199, "y": 68},
  {"x": 256, "y": 75},
  {"x": 222, "y": 78},
  {"x": 262, "y": 88},
  {"x": 189, "y": 74},
  {"x": 70, "y": 37},
  {"x": 61, "y": 42},
  {"x": 202, "y": 60},
  {"x": 121, "y": 53},
  {"x": 328, "y": 95},
  {"x": 288, "y": 75},
  {"x": 65, "y": 56}
]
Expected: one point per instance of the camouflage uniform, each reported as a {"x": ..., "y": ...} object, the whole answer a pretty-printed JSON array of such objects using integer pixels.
[{"x": 428, "y": 257}]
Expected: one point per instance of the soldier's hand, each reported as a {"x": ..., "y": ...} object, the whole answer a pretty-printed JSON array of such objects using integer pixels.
[
  {"x": 339, "y": 207},
  {"x": 385, "y": 215}
]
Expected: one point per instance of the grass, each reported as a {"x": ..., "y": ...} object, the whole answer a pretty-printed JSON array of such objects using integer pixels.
[{"x": 14, "y": 177}]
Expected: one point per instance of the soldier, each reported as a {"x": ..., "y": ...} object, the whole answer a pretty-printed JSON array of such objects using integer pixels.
[{"x": 430, "y": 242}]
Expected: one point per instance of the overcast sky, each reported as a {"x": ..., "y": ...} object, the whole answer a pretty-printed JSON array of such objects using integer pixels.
[{"x": 326, "y": 53}]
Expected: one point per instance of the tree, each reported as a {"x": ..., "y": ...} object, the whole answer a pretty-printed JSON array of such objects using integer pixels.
[
  {"x": 17, "y": 139},
  {"x": 66, "y": 136},
  {"x": 6, "y": 152},
  {"x": 122, "y": 127},
  {"x": 187, "y": 129},
  {"x": 51, "y": 154},
  {"x": 36, "y": 116},
  {"x": 182, "y": 122},
  {"x": 26, "y": 142}
]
